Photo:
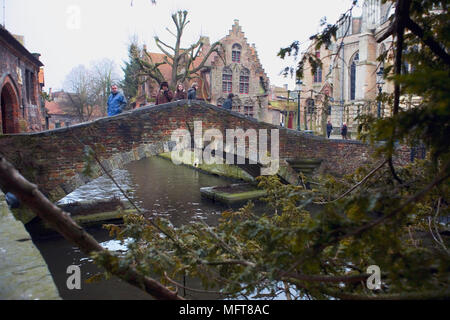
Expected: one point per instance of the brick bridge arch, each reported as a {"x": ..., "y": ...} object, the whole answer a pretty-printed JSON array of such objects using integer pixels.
[{"x": 55, "y": 159}]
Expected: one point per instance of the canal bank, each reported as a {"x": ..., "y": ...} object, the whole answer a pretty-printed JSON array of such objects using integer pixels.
[{"x": 24, "y": 274}]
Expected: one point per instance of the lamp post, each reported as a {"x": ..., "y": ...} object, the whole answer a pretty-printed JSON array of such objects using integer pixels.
[
  {"x": 380, "y": 83},
  {"x": 298, "y": 88}
]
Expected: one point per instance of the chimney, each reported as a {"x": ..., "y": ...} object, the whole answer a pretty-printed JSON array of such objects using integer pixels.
[{"x": 236, "y": 27}]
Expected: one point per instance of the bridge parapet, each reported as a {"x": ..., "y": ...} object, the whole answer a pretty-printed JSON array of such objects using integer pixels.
[{"x": 55, "y": 160}]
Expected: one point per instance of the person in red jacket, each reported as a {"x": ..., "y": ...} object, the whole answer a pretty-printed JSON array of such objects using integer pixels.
[{"x": 164, "y": 95}]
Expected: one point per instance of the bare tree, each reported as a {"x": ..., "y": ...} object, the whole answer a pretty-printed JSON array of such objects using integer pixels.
[
  {"x": 181, "y": 60},
  {"x": 81, "y": 97},
  {"x": 104, "y": 74}
]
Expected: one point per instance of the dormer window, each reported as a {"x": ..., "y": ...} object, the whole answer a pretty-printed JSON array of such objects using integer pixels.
[{"x": 236, "y": 53}]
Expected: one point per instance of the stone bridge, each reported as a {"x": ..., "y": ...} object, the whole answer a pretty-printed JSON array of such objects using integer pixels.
[{"x": 55, "y": 159}]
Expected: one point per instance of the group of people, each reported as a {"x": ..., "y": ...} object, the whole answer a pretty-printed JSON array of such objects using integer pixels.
[
  {"x": 117, "y": 102},
  {"x": 165, "y": 95},
  {"x": 344, "y": 130}
]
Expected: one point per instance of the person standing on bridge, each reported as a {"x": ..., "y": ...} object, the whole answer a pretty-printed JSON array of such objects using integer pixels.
[
  {"x": 192, "y": 92},
  {"x": 164, "y": 95},
  {"x": 180, "y": 94},
  {"x": 329, "y": 129},
  {"x": 344, "y": 131},
  {"x": 116, "y": 102},
  {"x": 228, "y": 104}
]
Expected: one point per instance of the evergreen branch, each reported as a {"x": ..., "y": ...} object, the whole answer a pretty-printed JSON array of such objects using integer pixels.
[{"x": 428, "y": 40}]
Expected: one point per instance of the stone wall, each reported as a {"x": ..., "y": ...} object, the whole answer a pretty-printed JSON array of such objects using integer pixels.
[{"x": 55, "y": 159}]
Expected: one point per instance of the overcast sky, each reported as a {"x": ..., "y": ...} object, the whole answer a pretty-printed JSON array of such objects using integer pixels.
[{"x": 104, "y": 27}]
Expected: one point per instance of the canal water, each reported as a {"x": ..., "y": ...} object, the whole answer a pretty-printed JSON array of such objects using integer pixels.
[{"x": 155, "y": 184}]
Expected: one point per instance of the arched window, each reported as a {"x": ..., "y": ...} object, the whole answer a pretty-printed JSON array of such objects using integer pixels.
[
  {"x": 318, "y": 75},
  {"x": 227, "y": 80},
  {"x": 236, "y": 53},
  {"x": 244, "y": 81},
  {"x": 355, "y": 60}
]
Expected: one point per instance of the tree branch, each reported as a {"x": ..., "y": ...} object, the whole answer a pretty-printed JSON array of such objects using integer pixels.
[
  {"x": 356, "y": 185},
  {"x": 428, "y": 40},
  {"x": 322, "y": 278},
  {"x": 179, "y": 285},
  {"x": 12, "y": 181}
]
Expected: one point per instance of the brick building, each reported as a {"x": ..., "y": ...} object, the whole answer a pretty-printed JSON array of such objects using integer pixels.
[
  {"x": 21, "y": 82},
  {"x": 242, "y": 75},
  {"x": 349, "y": 71}
]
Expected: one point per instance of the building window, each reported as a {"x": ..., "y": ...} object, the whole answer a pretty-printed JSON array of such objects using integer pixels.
[
  {"x": 248, "y": 111},
  {"x": 58, "y": 125},
  {"x": 236, "y": 53},
  {"x": 318, "y": 75},
  {"x": 33, "y": 88},
  {"x": 29, "y": 87},
  {"x": 244, "y": 81},
  {"x": 353, "y": 76},
  {"x": 227, "y": 80}
]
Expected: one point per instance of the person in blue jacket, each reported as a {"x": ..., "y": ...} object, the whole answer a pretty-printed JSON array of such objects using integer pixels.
[
  {"x": 192, "y": 92},
  {"x": 228, "y": 104},
  {"x": 116, "y": 102}
]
